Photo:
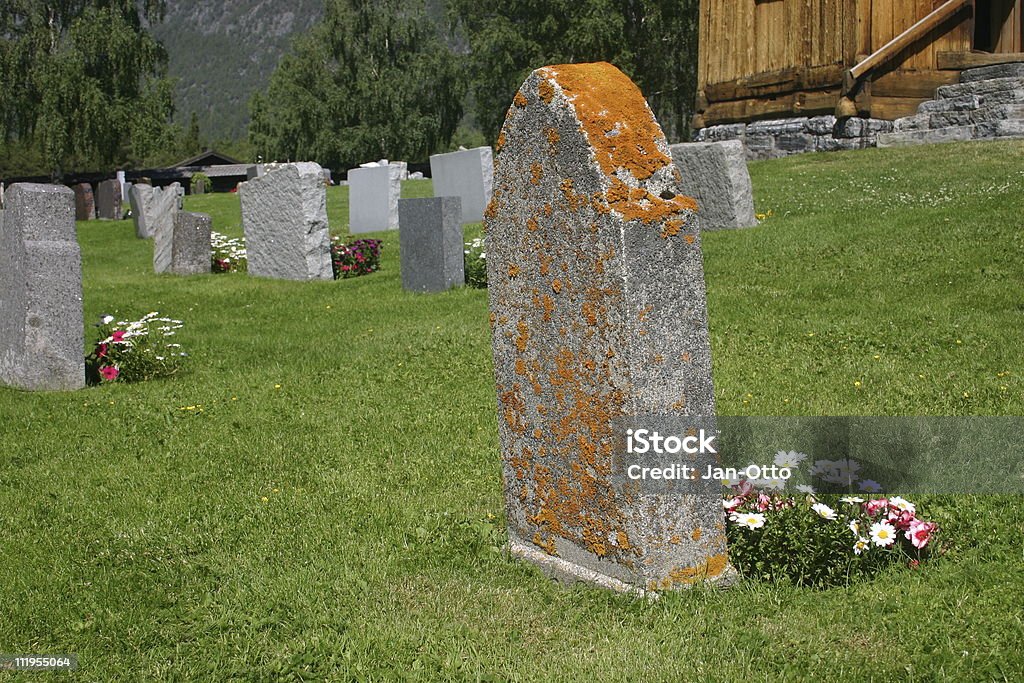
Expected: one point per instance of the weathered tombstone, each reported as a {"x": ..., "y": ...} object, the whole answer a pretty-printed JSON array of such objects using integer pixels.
[
  {"x": 467, "y": 174},
  {"x": 42, "y": 343},
  {"x": 85, "y": 202},
  {"x": 373, "y": 198},
  {"x": 164, "y": 206},
  {"x": 715, "y": 174},
  {"x": 430, "y": 244},
  {"x": 190, "y": 251},
  {"x": 599, "y": 325},
  {"x": 108, "y": 200},
  {"x": 284, "y": 217},
  {"x": 142, "y": 197}
]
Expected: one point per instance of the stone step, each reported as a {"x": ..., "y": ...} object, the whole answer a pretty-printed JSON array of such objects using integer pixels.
[
  {"x": 985, "y": 73},
  {"x": 986, "y": 87},
  {"x": 926, "y": 137},
  {"x": 916, "y": 122},
  {"x": 963, "y": 103},
  {"x": 995, "y": 112},
  {"x": 1001, "y": 129}
]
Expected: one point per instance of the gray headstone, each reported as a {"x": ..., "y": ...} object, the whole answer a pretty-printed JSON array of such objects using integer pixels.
[
  {"x": 253, "y": 171},
  {"x": 467, "y": 174},
  {"x": 108, "y": 200},
  {"x": 142, "y": 198},
  {"x": 373, "y": 195},
  {"x": 85, "y": 202},
  {"x": 42, "y": 343},
  {"x": 284, "y": 217},
  {"x": 190, "y": 251},
  {"x": 431, "y": 244},
  {"x": 715, "y": 174},
  {"x": 599, "y": 324}
]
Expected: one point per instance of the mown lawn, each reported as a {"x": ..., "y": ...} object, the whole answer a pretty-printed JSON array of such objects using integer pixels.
[{"x": 334, "y": 510}]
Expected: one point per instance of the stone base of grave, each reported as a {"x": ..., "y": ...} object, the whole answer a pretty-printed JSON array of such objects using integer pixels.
[{"x": 568, "y": 572}]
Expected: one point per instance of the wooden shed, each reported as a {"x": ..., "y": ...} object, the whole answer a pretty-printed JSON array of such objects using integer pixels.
[{"x": 769, "y": 59}]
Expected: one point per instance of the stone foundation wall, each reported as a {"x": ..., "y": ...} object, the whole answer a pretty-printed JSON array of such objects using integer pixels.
[{"x": 783, "y": 137}]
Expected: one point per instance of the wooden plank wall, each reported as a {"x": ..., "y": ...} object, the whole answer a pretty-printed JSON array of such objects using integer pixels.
[
  {"x": 743, "y": 38},
  {"x": 1007, "y": 19}
]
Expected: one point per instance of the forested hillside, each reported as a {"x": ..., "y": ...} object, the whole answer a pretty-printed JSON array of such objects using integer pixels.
[{"x": 222, "y": 52}]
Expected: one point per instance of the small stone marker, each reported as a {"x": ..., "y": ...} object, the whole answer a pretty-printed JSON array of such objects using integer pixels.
[
  {"x": 373, "y": 194},
  {"x": 467, "y": 174},
  {"x": 599, "y": 324},
  {"x": 430, "y": 244},
  {"x": 108, "y": 200},
  {"x": 42, "y": 341},
  {"x": 85, "y": 202},
  {"x": 284, "y": 217},
  {"x": 190, "y": 251},
  {"x": 715, "y": 174}
]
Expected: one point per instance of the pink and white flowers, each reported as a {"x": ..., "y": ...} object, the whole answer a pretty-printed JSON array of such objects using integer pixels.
[{"x": 133, "y": 350}]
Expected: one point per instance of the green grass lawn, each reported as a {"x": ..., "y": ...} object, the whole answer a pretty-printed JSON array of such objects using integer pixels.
[{"x": 334, "y": 511}]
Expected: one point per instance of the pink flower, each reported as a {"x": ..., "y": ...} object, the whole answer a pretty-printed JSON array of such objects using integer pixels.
[
  {"x": 101, "y": 350},
  {"x": 109, "y": 373},
  {"x": 745, "y": 487},
  {"x": 873, "y": 507},
  {"x": 763, "y": 502},
  {"x": 117, "y": 336},
  {"x": 920, "y": 532},
  {"x": 901, "y": 519}
]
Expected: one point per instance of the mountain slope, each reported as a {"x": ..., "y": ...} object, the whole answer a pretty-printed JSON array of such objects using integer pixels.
[{"x": 222, "y": 52}]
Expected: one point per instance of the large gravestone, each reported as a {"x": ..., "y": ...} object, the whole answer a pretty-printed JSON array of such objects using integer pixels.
[
  {"x": 430, "y": 244},
  {"x": 715, "y": 174},
  {"x": 142, "y": 197},
  {"x": 153, "y": 210},
  {"x": 284, "y": 217},
  {"x": 42, "y": 340},
  {"x": 108, "y": 200},
  {"x": 85, "y": 202},
  {"x": 373, "y": 194},
  {"x": 599, "y": 325},
  {"x": 190, "y": 251},
  {"x": 466, "y": 174}
]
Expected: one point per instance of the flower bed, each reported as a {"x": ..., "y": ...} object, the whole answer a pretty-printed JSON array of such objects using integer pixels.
[
  {"x": 133, "y": 351},
  {"x": 353, "y": 259},
  {"x": 475, "y": 262},
  {"x": 818, "y": 540},
  {"x": 227, "y": 253}
]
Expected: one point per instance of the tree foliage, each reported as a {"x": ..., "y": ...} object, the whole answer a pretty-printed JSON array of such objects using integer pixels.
[
  {"x": 652, "y": 41},
  {"x": 82, "y": 80},
  {"x": 373, "y": 79}
]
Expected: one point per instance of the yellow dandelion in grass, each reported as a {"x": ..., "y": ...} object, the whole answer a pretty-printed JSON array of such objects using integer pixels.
[
  {"x": 857, "y": 384},
  {"x": 264, "y": 499},
  {"x": 277, "y": 490},
  {"x": 877, "y": 357},
  {"x": 234, "y": 398},
  {"x": 277, "y": 386}
]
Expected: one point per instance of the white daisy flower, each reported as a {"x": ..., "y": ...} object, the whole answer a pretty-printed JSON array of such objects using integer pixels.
[
  {"x": 790, "y": 459},
  {"x": 751, "y": 520},
  {"x": 883, "y": 534},
  {"x": 902, "y": 504},
  {"x": 860, "y": 546},
  {"x": 852, "y": 500},
  {"x": 824, "y": 511}
]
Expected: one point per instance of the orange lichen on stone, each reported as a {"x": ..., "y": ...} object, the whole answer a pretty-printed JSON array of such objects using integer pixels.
[
  {"x": 545, "y": 544},
  {"x": 536, "y": 173},
  {"x": 531, "y": 225},
  {"x": 622, "y": 540},
  {"x": 545, "y": 263},
  {"x": 492, "y": 209},
  {"x": 552, "y": 135},
  {"x": 513, "y": 270},
  {"x": 556, "y": 285},
  {"x": 644, "y": 312},
  {"x": 547, "y": 210},
  {"x": 690, "y": 239},
  {"x": 546, "y": 91},
  {"x": 671, "y": 229},
  {"x": 613, "y": 113},
  {"x": 708, "y": 569},
  {"x": 549, "y": 307},
  {"x": 676, "y": 540},
  {"x": 520, "y": 366},
  {"x": 524, "y": 336},
  {"x": 697, "y": 533},
  {"x": 589, "y": 313},
  {"x": 500, "y": 142},
  {"x": 520, "y": 100}
]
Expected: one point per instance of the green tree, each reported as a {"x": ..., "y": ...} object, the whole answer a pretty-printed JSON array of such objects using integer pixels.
[
  {"x": 373, "y": 79},
  {"x": 652, "y": 41},
  {"x": 83, "y": 80}
]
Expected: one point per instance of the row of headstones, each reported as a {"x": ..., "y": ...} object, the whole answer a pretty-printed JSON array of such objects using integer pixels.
[{"x": 597, "y": 303}]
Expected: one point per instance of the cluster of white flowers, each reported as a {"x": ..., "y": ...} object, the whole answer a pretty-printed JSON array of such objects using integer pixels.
[
  {"x": 227, "y": 249},
  {"x": 477, "y": 245},
  {"x": 124, "y": 330}
]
